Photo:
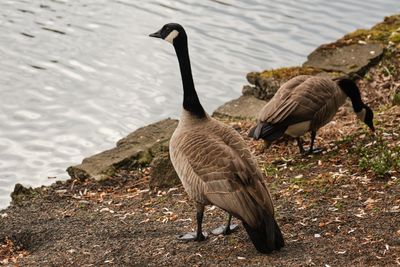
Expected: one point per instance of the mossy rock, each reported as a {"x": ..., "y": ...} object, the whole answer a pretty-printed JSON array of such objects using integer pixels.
[
  {"x": 281, "y": 73},
  {"x": 135, "y": 150},
  {"x": 395, "y": 37},
  {"x": 22, "y": 193},
  {"x": 382, "y": 32},
  {"x": 268, "y": 82},
  {"x": 243, "y": 108},
  {"x": 356, "y": 52},
  {"x": 140, "y": 159},
  {"x": 162, "y": 172},
  {"x": 352, "y": 60}
]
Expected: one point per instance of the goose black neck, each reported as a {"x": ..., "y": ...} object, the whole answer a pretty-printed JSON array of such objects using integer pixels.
[
  {"x": 351, "y": 89},
  {"x": 191, "y": 101}
]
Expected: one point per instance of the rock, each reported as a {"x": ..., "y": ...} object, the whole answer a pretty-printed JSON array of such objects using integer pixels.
[
  {"x": 353, "y": 54},
  {"x": 244, "y": 107},
  {"x": 268, "y": 82},
  {"x": 351, "y": 59},
  {"x": 247, "y": 90},
  {"x": 137, "y": 149},
  {"x": 384, "y": 33},
  {"x": 21, "y": 193},
  {"x": 266, "y": 87},
  {"x": 162, "y": 173}
]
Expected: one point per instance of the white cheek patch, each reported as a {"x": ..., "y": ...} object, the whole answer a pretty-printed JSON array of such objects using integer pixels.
[
  {"x": 171, "y": 36},
  {"x": 361, "y": 114}
]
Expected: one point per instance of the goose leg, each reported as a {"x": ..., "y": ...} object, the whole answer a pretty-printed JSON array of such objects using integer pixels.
[
  {"x": 313, "y": 150},
  {"x": 300, "y": 144},
  {"x": 227, "y": 229},
  {"x": 199, "y": 218},
  {"x": 198, "y": 236}
]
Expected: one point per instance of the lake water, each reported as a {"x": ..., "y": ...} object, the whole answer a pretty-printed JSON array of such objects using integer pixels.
[{"x": 76, "y": 76}]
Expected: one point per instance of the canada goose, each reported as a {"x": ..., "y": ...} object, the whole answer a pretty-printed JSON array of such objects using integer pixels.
[
  {"x": 306, "y": 103},
  {"x": 214, "y": 164}
]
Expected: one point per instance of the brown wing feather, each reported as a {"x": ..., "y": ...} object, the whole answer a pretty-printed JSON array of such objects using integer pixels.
[
  {"x": 230, "y": 176},
  {"x": 272, "y": 111},
  {"x": 305, "y": 98}
]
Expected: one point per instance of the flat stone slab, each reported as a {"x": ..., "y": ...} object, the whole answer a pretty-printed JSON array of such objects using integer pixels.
[
  {"x": 136, "y": 149},
  {"x": 350, "y": 59},
  {"x": 244, "y": 107}
]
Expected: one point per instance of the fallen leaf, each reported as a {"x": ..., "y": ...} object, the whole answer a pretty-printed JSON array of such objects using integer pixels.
[
  {"x": 144, "y": 221},
  {"x": 106, "y": 209},
  {"x": 369, "y": 201}
]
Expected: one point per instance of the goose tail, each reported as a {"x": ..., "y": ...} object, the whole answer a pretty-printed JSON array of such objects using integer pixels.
[
  {"x": 252, "y": 132},
  {"x": 267, "y": 237},
  {"x": 267, "y": 131}
]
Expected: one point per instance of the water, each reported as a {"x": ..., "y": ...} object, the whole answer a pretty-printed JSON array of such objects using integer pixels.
[{"x": 75, "y": 76}]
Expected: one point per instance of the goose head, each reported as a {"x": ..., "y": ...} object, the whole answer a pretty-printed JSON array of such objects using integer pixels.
[
  {"x": 367, "y": 116},
  {"x": 364, "y": 112},
  {"x": 171, "y": 32}
]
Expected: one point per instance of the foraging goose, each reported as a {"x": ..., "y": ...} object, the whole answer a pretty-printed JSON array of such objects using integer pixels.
[
  {"x": 306, "y": 103},
  {"x": 214, "y": 163}
]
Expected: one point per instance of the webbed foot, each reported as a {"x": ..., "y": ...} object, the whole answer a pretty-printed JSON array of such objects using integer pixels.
[
  {"x": 193, "y": 237},
  {"x": 314, "y": 151},
  {"x": 224, "y": 230}
]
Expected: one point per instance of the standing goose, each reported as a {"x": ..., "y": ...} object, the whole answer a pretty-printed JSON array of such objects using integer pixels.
[
  {"x": 214, "y": 164},
  {"x": 306, "y": 103}
]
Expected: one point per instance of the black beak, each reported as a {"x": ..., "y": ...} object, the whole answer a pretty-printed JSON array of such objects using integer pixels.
[{"x": 156, "y": 34}]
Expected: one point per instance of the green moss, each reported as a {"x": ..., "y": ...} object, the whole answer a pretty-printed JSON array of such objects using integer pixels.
[
  {"x": 288, "y": 73},
  {"x": 303, "y": 166},
  {"x": 339, "y": 205},
  {"x": 379, "y": 158},
  {"x": 396, "y": 99},
  {"x": 281, "y": 73},
  {"x": 376, "y": 210},
  {"x": 395, "y": 37},
  {"x": 324, "y": 190},
  {"x": 359, "y": 34},
  {"x": 140, "y": 159},
  {"x": 83, "y": 206},
  {"x": 22, "y": 194},
  {"x": 382, "y": 32},
  {"x": 390, "y": 23},
  {"x": 270, "y": 170},
  {"x": 346, "y": 140},
  {"x": 299, "y": 181},
  {"x": 144, "y": 158}
]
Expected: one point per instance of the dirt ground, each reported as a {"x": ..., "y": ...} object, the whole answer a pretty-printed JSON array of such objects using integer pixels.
[{"x": 337, "y": 208}]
